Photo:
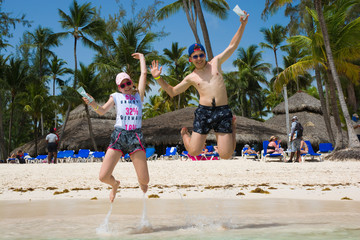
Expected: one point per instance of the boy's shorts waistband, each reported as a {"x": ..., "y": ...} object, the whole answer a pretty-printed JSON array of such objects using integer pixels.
[{"x": 211, "y": 107}]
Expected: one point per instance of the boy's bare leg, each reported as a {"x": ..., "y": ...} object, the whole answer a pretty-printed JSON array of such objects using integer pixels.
[
  {"x": 139, "y": 161},
  {"x": 193, "y": 143},
  {"x": 107, "y": 167}
]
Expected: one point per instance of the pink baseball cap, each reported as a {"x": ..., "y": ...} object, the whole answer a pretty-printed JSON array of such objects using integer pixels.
[{"x": 120, "y": 77}]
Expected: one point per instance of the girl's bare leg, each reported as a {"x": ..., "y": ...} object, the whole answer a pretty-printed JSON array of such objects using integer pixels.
[
  {"x": 139, "y": 161},
  {"x": 193, "y": 143},
  {"x": 107, "y": 167}
]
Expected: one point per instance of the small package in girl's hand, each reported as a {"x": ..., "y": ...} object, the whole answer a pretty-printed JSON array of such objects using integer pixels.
[
  {"x": 82, "y": 92},
  {"x": 239, "y": 12}
]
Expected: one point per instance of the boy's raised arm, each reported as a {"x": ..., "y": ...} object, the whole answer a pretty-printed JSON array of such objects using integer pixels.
[
  {"x": 172, "y": 91},
  {"x": 234, "y": 41}
]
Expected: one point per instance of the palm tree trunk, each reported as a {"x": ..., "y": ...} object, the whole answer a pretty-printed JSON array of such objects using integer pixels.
[
  {"x": 204, "y": 30},
  {"x": 10, "y": 123},
  {"x": 36, "y": 136},
  {"x": 339, "y": 143},
  {"x": 191, "y": 22},
  {"x": 351, "y": 96},
  {"x": 353, "y": 140},
  {"x": 54, "y": 79},
  {"x": 74, "y": 86},
  {"x": 323, "y": 105},
  {"x": 90, "y": 127},
  {"x": 3, "y": 152}
]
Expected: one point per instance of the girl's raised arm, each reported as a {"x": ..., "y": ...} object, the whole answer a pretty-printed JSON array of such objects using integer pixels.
[{"x": 142, "y": 79}]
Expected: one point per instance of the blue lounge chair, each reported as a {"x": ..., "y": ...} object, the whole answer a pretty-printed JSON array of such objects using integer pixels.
[
  {"x": 249, "y": 155},
  {"x": 265, "y": 156},
  {"x": 97, "y": 156},
  {"x": 311, "y": 153},
  {"x": 325, "y": 148},
  {"x": 150, "y": 153},
  {"x": 82, "y": 156},
  {"x": 65, "y": 156},
  {"x": 41, "y": 158},
  {"x": 171, "y": 152}
]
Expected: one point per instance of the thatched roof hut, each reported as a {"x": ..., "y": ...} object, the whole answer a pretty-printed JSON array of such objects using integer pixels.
[
  {"x": 76, "y": 135},
  {"x": 308, "y": 110},
  {"x": 300, "y": 102}
]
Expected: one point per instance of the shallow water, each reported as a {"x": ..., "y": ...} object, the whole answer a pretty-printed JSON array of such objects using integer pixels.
[{"x": 180, "y": 219}]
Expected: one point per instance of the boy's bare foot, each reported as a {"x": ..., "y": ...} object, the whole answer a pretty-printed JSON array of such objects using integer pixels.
[
  {"x": 144, "y": 188},
  {"x": 184, "y": 131},
  {"x": 114, "y": 190}
]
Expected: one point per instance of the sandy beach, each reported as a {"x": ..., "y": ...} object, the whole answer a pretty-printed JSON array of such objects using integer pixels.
[{"x": 175, "y": 179}]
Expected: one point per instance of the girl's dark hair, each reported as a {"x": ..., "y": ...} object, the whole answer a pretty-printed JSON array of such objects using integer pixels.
[{"x": 52, "y": 130}]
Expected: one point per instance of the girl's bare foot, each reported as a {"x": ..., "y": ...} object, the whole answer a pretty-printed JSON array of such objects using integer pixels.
[
  {"x": 114, "y": 190},
  {"x": 144, "y": 187}
]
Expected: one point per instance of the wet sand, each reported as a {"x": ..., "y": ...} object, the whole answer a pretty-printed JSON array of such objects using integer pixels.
[{"x": 181, "y": 219}]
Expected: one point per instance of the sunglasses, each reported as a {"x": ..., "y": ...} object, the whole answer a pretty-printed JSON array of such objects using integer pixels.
[
  {"x": 201, "y": 55},
  {"x": 123, "y": 85}
]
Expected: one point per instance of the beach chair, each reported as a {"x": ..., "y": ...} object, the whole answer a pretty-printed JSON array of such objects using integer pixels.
[
  {"x": 171, "y": 153},
  {"x": 28, "y": 158},
  {"x": 82, "y": 156},
  {"x": 150, "y": 153},
  {"x": 253, "y": 156},
  {"x": 325, "y": 148},
  {"x": 211, "y": 155},
  {"x": 311, "y": 153},
  {"x": 65, "y": 156},
  {"x": 184, "y": 155},
  {"x": 265, "y": 156},
  {"x": 97, "y": 156},
  {"x": 125, "y": 158},
  {"x": 41, "y": 158}
]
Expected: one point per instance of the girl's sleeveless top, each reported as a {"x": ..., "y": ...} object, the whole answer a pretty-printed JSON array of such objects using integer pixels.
[{"x": 128, "y": 110}]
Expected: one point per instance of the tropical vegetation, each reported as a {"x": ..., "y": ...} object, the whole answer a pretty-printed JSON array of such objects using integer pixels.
[{"x": 321, "y": 46}]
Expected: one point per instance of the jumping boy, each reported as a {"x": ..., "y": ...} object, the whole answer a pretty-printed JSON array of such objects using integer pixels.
[{"x": 213, "y": 111}]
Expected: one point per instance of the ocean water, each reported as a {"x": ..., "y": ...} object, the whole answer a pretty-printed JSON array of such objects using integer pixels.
[{"x": 181, "y": 219}]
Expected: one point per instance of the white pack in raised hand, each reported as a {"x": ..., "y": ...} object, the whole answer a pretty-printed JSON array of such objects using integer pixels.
[{"x": 239, "y": 12}]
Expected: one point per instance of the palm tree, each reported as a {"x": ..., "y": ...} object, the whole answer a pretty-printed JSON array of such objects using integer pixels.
[
  {"x": 57, "y": 69},
  {"x": 353, "y": 140},
  {"x": 3, "y": 65},
  {"x": 193, "y": 10},
  {"x": 92, "y": 85},
  {"x": 42, "y": 39},
  {"x": 80, "y": 24},
  {"x": 243, "y": 85},
  {"x": 115, "y": 55},
  {"x": 178, "y": 68},
  {"x": 15, "y": 76},
  {"x": 274, "y": 37},
  {"x": 346, "y": 47},
  {"x": 34, "y": 104}
]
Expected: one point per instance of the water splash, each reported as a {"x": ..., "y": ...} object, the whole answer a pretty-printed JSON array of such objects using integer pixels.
[
  {"x": 145, "y": 226},
  {"x": 104, "y": 228}
]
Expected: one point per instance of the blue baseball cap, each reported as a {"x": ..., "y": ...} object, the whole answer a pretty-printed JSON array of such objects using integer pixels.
[{"x": 196, "y": 47}]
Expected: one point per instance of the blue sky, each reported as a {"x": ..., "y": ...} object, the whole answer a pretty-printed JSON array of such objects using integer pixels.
[{"x": 45, "y": 13}]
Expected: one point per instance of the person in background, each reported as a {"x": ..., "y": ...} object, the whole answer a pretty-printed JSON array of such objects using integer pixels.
[
  {"x": 356, "y": 124},
  {"x": 295, "y": 138},
  {"x": 273, "y": 147},
  {"x": 20, "y": 157},
  {"x": 303, "y": 147},
  {"x": 52, "y": 140}
]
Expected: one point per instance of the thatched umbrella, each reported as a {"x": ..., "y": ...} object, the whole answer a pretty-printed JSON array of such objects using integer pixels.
[
  {"x": 76, "y": 135},
  {"x": 308, "y": 110}
]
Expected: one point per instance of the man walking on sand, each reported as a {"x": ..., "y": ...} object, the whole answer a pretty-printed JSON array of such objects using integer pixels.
[{"x": 213, "y": 111}]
